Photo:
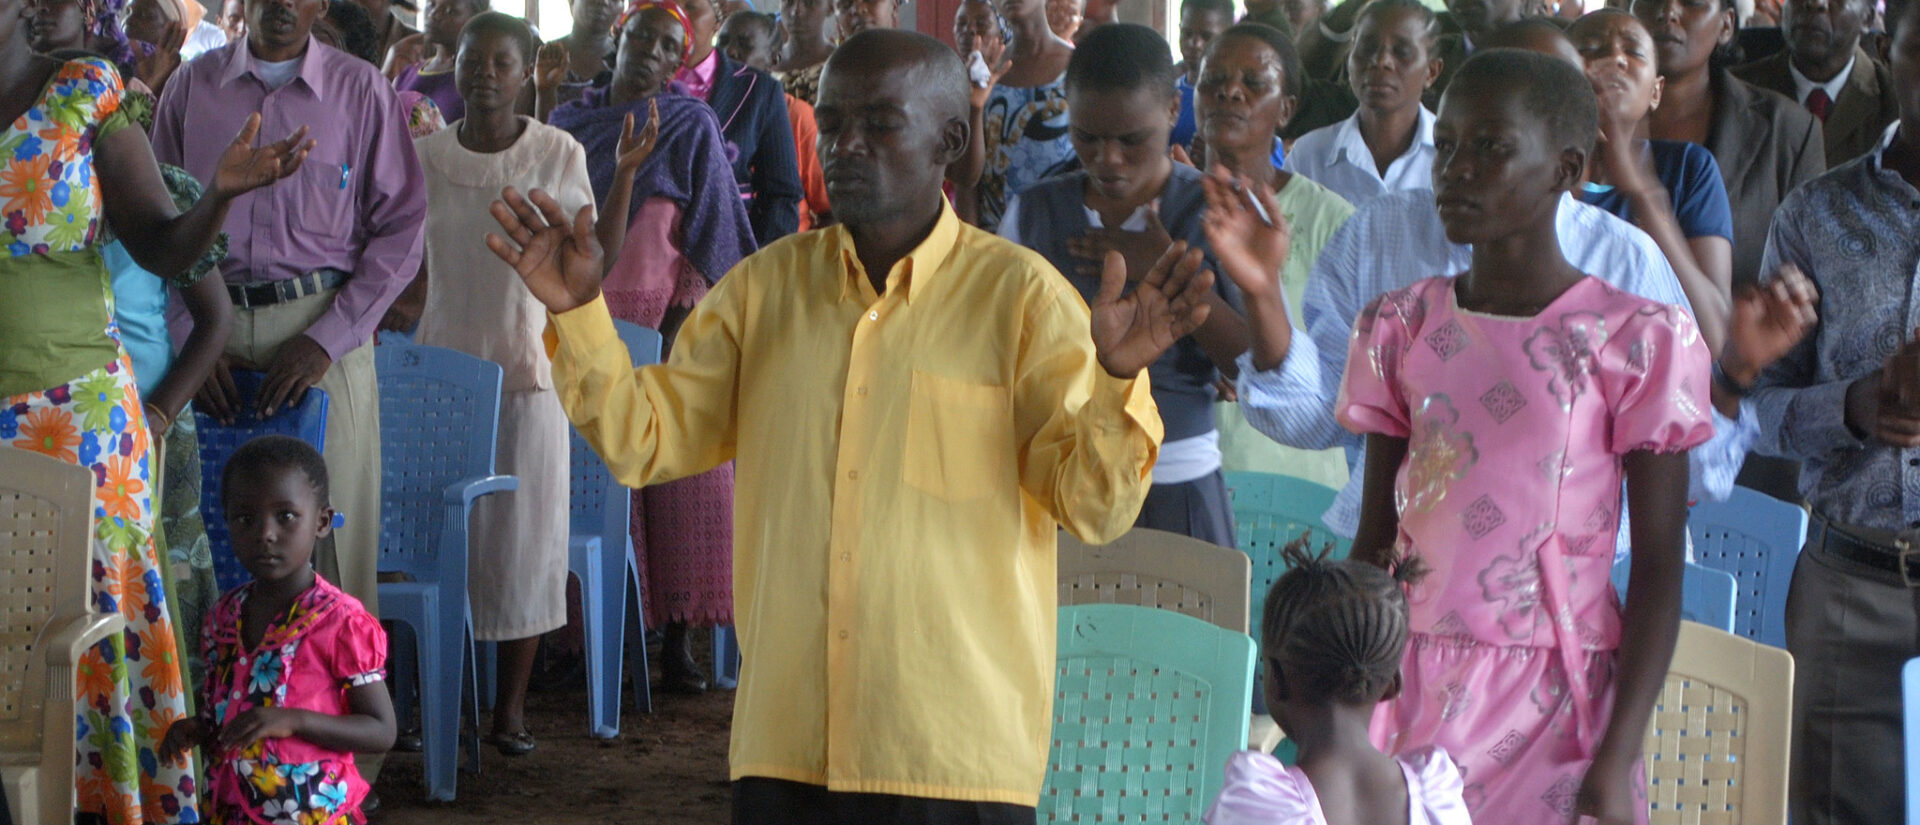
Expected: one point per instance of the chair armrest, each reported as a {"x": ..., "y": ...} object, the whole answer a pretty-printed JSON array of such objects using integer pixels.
[
  {"x": 63, "y": 642},
  {"x": 465, "y": 490}
]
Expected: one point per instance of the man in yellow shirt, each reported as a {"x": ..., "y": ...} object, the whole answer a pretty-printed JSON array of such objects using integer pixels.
[{"x": 914, "y": 406}]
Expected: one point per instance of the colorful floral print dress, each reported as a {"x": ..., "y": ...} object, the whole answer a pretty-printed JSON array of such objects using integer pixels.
[
  {"x": 326, "y": 645},
  {"x": 1510, "y": 492},
  {"x": 67, "y": 390}
]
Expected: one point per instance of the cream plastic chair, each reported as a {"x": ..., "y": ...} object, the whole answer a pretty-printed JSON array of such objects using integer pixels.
[
  {"x": 1718, "y": 746},
  {"x": 1155, "y": 568},
  {"x": 46, "y": 518}
]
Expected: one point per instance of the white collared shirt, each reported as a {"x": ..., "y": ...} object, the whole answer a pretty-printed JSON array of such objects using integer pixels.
[
  {"x": 1337, "y": 158},
  {"x": 1803, "y": 87}
]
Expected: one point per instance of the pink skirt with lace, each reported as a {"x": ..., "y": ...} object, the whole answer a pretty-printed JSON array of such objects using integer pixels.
[{"x": 682, "y": 530}]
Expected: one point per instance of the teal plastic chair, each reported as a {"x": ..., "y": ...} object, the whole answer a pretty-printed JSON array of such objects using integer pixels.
[
  {"x": 1148, "y": 706},
  {"x": 1270, "y": 510},
  {"x": 1757, "y": 538},
  {"x": 1707, "y": 596}
]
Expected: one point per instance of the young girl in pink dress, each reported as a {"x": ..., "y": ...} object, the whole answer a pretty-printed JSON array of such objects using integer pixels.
[
  {"x": 1503, "y": 407},
  {"x": 1332, "y": 636},
  {"x": 294, "y": 665}
]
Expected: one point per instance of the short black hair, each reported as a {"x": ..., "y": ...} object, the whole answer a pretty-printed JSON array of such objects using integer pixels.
[
  {"x": 513, "y": 28},
  {"x": 278, "y": 452},
  {"x": 1122, "y": 57},
  {"x": 1419, "y": 10},
  {"x": 355, "y": 30},
  {"x": 1340, "y": 626},
  {"x": 1551, "y": 89},
  {"x": 1217, "y": 6},
  {"x": 756, "y": 18},
  {"x": 935, "y": 65},
  {"x": 1282, "y": 46}
]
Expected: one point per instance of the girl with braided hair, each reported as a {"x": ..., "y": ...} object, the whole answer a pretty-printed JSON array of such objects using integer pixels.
[{"x": 1333, "y": 634}]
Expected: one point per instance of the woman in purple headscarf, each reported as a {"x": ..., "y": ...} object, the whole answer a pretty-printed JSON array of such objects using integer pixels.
[{"x": 680, "y": 228}]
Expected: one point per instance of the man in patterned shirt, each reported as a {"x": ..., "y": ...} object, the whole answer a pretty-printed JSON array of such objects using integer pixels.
[{"x": 1847, "y": 402}]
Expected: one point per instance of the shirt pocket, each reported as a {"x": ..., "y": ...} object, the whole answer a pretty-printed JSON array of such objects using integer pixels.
[
  {"x": 324, "y": 203},
  {"x": 959, "y": 437}
]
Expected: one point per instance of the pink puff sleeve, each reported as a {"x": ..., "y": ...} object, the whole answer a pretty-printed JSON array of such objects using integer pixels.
[
  {"x": 1436, "y": 788},
  {"x": 1261, "y": 791},
  {"x": 1370, "y": 390},
  {"x": 359, "y": 650},
  {"x": 1655, "y": 376}
]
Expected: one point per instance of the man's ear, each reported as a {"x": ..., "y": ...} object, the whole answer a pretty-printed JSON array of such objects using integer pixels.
[
  {"x": 1572, "y": 169},
  {"x": 954, "y": 137}
]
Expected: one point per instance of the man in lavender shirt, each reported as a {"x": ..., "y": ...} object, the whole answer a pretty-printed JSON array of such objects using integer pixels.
[{"x": 316, "y": 261}]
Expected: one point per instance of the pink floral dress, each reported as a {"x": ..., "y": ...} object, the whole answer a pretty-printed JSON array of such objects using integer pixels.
[
  {"x": 1511, "y": 492},
  {"x": 326, "y": 645}
]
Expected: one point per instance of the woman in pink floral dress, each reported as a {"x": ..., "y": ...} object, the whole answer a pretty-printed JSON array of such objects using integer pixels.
[{"x": 1503, "y": 410}]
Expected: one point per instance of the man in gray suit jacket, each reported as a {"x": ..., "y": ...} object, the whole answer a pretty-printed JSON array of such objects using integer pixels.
[{"x": 1825, "y": 69}]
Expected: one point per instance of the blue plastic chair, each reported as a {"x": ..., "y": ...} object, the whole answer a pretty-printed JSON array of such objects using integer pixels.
[
  {"x": 600, "y": 555},
  {"x": 1910, "y": 702},
  {"x": 1757, "y": 538},
  {"x": 306, "y": 421},
  {"x": 645, "y": 346},
  {"x": 1148, "y": 706},
  {"x": 439, "y": 417},
  {"x": 1707, "y": 596}
]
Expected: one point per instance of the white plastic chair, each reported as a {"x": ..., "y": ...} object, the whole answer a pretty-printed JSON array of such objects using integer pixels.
[
  {"x": 1718, "y": 746},
  {"x": 46, "y": 622}
]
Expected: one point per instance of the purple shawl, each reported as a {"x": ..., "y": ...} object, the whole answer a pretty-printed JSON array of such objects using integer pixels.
[{"x": 689, "y": 166}]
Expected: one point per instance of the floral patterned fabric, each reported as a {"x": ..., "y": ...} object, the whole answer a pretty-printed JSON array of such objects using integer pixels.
[
  {"x": 1511, "y": 492},
  {"x": 129, "y": 687},
  {"x": 1026, "y": 137},
  {"x": 308, "y": 659}
]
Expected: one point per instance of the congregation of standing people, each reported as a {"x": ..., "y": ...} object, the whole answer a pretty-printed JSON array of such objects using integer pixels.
[{"x": 1520, "y": 279}]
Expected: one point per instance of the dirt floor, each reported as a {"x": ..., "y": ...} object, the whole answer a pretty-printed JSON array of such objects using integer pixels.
[{"x": 667, "y": 768}]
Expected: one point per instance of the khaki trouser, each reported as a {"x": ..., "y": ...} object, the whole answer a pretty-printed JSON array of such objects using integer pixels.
[{"x": 353, "y": 438}]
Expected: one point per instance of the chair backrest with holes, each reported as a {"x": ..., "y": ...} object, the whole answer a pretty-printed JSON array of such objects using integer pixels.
[
  {"x": 1718, "y": 746},
  {"x": 1271, "y": 510},
  {"x": 1154, "y": 568},
  {"x": 439, "y": 417},
  {"x": 46, "y": 516},
  {"x": 1148, "y": 706},
  {"x": 601, "y": 507},
  {"x": 306, "y": 421},
  {"x": 1757, "y": 538}
]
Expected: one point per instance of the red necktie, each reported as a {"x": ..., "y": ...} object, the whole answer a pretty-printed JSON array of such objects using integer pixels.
[{"x": 1819, "y": 103}]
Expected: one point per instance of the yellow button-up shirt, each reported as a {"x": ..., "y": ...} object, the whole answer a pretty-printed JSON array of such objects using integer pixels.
[{"x": 902, "y": 464}]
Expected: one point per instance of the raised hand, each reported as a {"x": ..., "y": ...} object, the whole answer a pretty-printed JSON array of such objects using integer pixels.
[
  {"x": 1250, "y": 247},
  {"x": 635, "y": 149},
  {"x": 1768, "y": 320},
  {"x": 1132, "y": 328},
  {"x": 1140, "y": 249},
  {"x": 558, "y": 257},
  {"x": 550, "y": 66},
  {"x": 1179, "y": 155},
  {"x": 407, "y": 51},
  {"x": 245, "y": 167},
  {"x": 155, "y": 67}
]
